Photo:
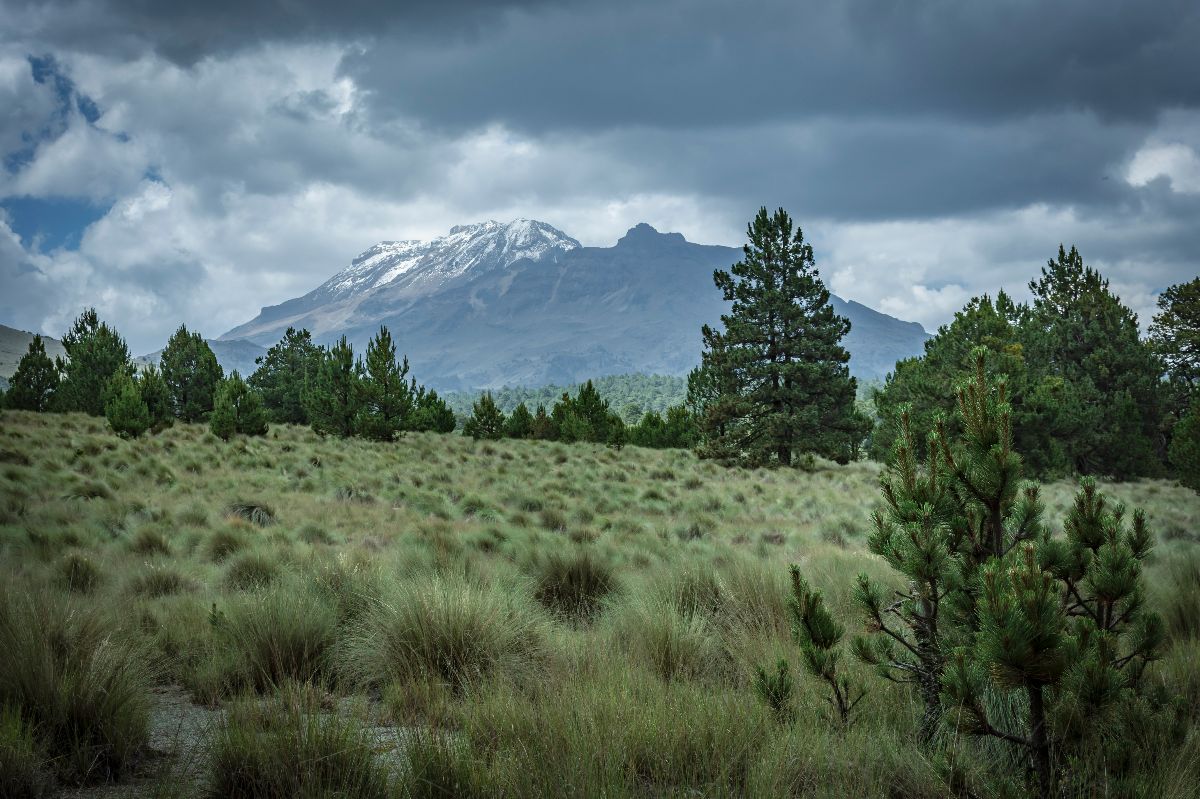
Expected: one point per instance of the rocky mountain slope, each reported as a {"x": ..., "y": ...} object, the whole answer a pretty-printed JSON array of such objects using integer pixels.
[{"x": 522, "y": 303}]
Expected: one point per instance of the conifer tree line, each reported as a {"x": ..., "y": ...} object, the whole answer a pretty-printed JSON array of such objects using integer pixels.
[
  {"x": 584, "y": 417},
  {"x": 296, "y": 382}
]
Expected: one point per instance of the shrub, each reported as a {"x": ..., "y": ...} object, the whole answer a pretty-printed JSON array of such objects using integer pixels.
[
  {"x": 81, "y": 686},
  {"x": 250, "y": 571},
  {"x": 574, "y": 584},
  {"x": 281, "y": 634},
  {"x": 448, "y": 629},
  {"x": 289, "y": 747},
  {"x": 253, "y": 512},
  {"x": 78, "y": 573}
]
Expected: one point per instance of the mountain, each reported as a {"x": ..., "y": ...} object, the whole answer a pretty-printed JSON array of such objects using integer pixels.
[
  {"x": 13, "y": 346},
  {"x": 522, "y": 303},
  {"x": 233, "y": 355}
]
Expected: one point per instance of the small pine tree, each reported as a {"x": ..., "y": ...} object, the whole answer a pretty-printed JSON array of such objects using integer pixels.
[
  {"x": 387, "y": 399},
  {"x": 617, "y": 434},
  {"x": 32, "y": 386},
  {"x": 487, "y": 420},
  {"x": 333, "y": 396},
  {"x": 95, "y": 352},
  {"x": 520, "y": 423},
  {"x": 191, "y": 372},
  {"x": 544, "y": 427},
  {"x": 157, "y": 397},
  {"x": 819, "y": 637},
  {"x": 1185, "y": 447},
  {"x": 126, "y": 412},
  {"x": 237, "y": 409}
]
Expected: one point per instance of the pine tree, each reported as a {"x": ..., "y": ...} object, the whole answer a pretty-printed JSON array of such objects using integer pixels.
[
  {"x": 1185, "y": 447},
  {"x": 332, "y": 400},
  {"x": 95, "y": 352},
  {"x": 819, "y": 637},
  {"x": 431, "y": 413},
  {"x": 544, "y": 428},
  {"x": 33, "y": 385},
  {"x": 520, "y": 423},
  {"x": 486, "y": 421},
  {"x": 1175, "y": 332},
  {"x": 192, "y": 373},
  {"x": 283, "y": 376},
  {"x": 995, "y": 604},
  {"x": 781, "y": 353},
  {"x": 584, "y": 417},
  {"x": 1093, "y": 405},
  {"x": 237, "y": 409},
  {"x": 387, "y": 398},
  {"x": 157, "y": 397},
  {"x": 926, "y": 385},
  {"x": 941, "y": 521},
  {"x": 126, "y": 412}
]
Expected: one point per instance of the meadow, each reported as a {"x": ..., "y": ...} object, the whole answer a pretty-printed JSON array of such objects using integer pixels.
[{"x": 294, "y": 615}]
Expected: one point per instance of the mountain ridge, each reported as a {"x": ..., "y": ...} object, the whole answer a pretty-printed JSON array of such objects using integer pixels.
[{"x": 523, "y": 303}]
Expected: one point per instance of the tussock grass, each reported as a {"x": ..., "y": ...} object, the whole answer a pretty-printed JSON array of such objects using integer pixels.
[
  {"x": 574, "y": 583},
  {"x": 253, "y": 512},
  {"x": 285, "y": 633},
  {"x": 294, "y": 747},
  {"x": 450, "y": 629},
  {"x": 79, "y": 684}
]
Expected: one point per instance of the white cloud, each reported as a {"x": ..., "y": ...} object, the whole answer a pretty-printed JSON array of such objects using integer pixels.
[{"x": 1178, "y": 163}]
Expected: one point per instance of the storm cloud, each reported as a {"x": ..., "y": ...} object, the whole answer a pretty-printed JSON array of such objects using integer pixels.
[{"x": 232, "y": 155}]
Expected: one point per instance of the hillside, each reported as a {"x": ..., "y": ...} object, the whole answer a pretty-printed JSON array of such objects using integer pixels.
[{"x": 522, "y": 303}]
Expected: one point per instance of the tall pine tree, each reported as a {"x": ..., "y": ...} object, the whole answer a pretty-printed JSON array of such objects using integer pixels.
[
  {"x": 779, "y": 360},
  {"x": 32, "y": 386},
  {"x": 95, "y": 352},
  {"x": 387, "y": 398},
  {"x": 1093, "y": 403},
  {"x": 332, "y": 400},
  {"x": 192, "y": 373}
]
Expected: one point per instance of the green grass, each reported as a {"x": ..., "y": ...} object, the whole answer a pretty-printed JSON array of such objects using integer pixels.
[{"x": 444, "y": 617}]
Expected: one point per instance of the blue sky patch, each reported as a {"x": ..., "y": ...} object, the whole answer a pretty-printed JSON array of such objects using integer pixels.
[{"x": 51, "y": 223}]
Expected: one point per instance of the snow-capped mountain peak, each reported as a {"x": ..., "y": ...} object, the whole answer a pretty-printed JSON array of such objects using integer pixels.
[{"x": 425, "y": 265}]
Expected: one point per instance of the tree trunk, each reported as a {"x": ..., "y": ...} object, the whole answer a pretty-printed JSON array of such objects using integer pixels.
[{"x": 1041, "y": 746}]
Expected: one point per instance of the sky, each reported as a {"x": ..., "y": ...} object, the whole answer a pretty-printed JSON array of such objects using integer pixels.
[{"x": 192, "y": 162}]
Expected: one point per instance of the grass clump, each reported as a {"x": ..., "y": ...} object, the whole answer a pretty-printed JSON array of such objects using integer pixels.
[
  {"x": 251, "y": 571},
  {"x": 575, "y": 584},
  {"x": 291, "y": 747},
  {"x": 448, "y": 629},
  {"x": 254, "y": 512},
  {"x": 23, "y": 767},
  {"x": 159, "y": 581},
  {"x": 81, "y": 687},
  {"x": 225, "y": 542},
  {"x": 668, "y": 642},
  {"x": 282, "y": 634},
  {"x": 79, "y": 573},
  {"x": 149, "y": 541}
]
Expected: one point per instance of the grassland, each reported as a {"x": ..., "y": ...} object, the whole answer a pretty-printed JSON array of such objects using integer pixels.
[{"x": 297, "y": 616}]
